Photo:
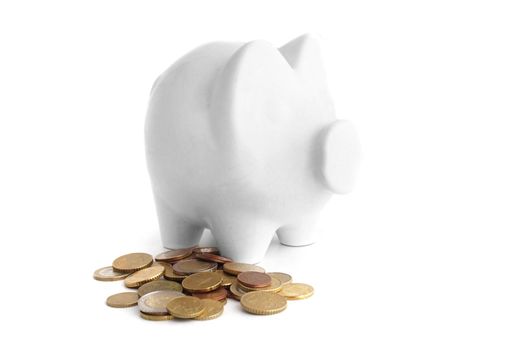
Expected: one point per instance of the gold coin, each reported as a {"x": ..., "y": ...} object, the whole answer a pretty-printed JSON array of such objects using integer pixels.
[
  {"x": 281, "y": 276},
  {"x": 218, "y": 294},
  {"x": 158, "y": 285},
  {"x": 125, "y": 299},
  {"x": 275, "y": 287},
  {"x": 173, "y": 255},
  {"x": 132, "y": 262},
  {"x": 294, "y": 291},
  {"x": 235, "y": 291},
  {"x": 263, "y": 303},
  {"x": 212, "y": 309},
  {"x": 108, "y": 274},
  {"x": 202, "y": 282},
  {"x": 156, "y": 317},
  {"x": 162, "y": 263},
  {"x": 234, "y": 268},
  {"x": 174, "y": 277},
  {"x": 155, "y": 303},
  {"x": 190, "y": 266},
  {"x": 143, "y": 276},
  {"x": 185, "y": 307},
  {"x": 227, "y": 279}
]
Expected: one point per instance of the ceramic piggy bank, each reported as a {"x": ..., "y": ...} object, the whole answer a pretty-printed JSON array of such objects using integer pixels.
[{"x": 242, "y": 139}]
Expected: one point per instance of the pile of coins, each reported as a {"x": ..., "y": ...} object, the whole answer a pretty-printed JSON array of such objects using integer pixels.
[{"x": 194, "y": 283}]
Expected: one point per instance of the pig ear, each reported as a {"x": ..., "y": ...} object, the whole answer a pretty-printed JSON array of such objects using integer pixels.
[
  {"x": 304, "y": 56},
  {"x": 252, "y": 91}
]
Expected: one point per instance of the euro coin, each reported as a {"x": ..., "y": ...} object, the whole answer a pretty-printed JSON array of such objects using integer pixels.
[
  {"x": 294, "y": 291},
  {"x": 234, "y": 268},
  {"x": 275, "y": 287},
  {"x": 236, "y": 293},
  {"x": 254, "y": 279},
  {"x": 143, "y": 276},
  {"x": 281, "y": 276},
  {"x": 169, "y": 273},
  {"x": 108, "y": 274},
  {"x": 217, "y": 294},
  {"x": 125, "y": 299},
  {"x": 173, "y": 255},
  {"x": 213, "y": 258},
  {"x": 263, "y": 303},
  {"x": 156, "y": 317},
  {"x": 190, "y": 266},
  {"x": 154, "y": 286},
  {"x": 212, "y": 309},
  {"x": 202, "y": 282},
  {"x": 185, "y": 307},
  {"x": 132, "y": 262},
  {"x": 227, "y": 279},
  {"x": 155, "y": 303}
]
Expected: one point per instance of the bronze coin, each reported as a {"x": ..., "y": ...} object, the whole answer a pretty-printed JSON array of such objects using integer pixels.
[
  {"x": 173, "y": 255},
  {"x": 218, "y": 294},
  {"x": 254, "y": 279},
  {"x": 169, "y": 274},
  {"x": 190, "y": 266},
  {"x": 210, "y": 250},
  {"x": 213, "y": 258},
  {"x": 275, "y": 287}
]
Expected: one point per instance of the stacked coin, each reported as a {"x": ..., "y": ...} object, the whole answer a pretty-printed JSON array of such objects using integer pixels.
[
  {"x": 193, "y": 283},
  {"x": 153, "y": 306}
]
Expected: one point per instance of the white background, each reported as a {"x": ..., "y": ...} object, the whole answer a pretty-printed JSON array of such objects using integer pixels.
[{"x": 427, "y": 253}]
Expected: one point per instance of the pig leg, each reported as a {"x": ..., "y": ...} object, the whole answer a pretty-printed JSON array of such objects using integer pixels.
[
  {"x": 297, "y": 235},
  {"x": 243, "y": 240},
  {"x": 176, "y": 230}
]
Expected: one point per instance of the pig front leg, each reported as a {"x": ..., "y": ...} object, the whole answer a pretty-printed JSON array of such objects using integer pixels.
[
  {"x": 296, "y": 235},
  {"x": 176, "y": 230},
  {"x": 243, "y": 240}
]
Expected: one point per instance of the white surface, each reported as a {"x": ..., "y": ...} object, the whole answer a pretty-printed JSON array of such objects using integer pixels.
[{"x": 427, "y": 253}]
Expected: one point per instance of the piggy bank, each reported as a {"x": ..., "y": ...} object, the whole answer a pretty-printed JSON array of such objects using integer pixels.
[{"x": 242, "y": 139}]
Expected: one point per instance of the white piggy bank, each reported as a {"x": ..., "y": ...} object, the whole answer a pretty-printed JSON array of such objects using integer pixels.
[{"x": 242, "y": 139}]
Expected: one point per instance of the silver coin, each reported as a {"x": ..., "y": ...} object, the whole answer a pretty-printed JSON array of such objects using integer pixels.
[
  {"x": 157, "y": 285},
  {"x": 154, "y": 303},
  {"x": 107, "y": 274}
]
